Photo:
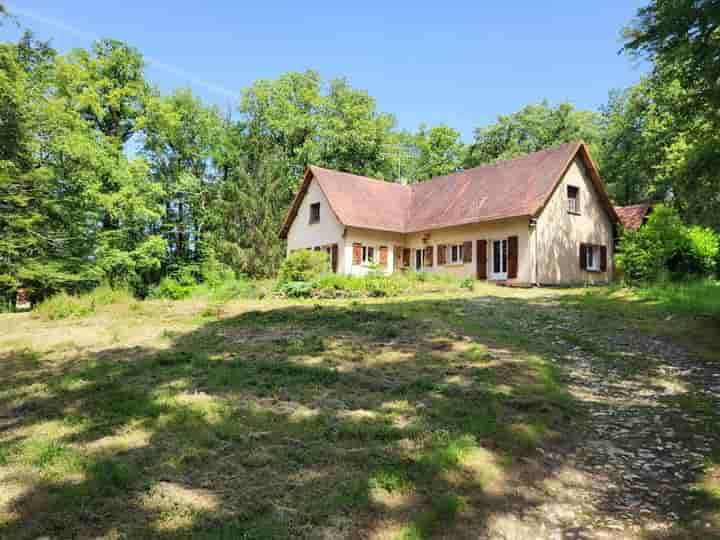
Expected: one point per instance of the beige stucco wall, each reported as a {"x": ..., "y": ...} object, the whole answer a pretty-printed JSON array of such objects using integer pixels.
[
  {"x": 373, "y": 238},
  {"x": 452, "y": 235},
  {"x": 559, "y": 233},
  {"x": 497, "y": 230},
  {"x": 328, "y": 231}
]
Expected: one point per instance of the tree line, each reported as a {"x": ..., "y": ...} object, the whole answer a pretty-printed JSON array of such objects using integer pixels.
[{"x": 103, "y": 178}]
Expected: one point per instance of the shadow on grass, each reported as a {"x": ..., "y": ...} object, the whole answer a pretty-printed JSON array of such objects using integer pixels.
[{"x": 292, "y": 422}]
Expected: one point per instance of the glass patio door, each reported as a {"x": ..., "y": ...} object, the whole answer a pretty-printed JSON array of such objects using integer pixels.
[{"x": 499, "y": 259}]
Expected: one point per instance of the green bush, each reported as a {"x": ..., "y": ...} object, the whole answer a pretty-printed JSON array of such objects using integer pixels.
[
  {"x": 64, "y": 305},
  {"x": 176, "y": 286},
  {"x": 171, "y": 289},
  {"x": 664, "y": 246},
  {"x": 468, "y": 283},
  {"x": 297, "y": 289},
  {"x": 704, "y": 246},
  {"x": 304, "y": 265}
]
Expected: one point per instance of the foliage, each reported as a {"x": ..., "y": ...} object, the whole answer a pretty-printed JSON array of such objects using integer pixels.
[
  {"x": 294, "y": 118},
  {"x": 664, "y": 246},
  {"x": 704, "y": 252},
  {"x": 685, "y": 34},
  {"x": 64, "y": 305},
  {"x": 296, "y": 289},
  {"x": 657, "y": 145},
  {"x": 695, "y": 298},
  {"x": 374, "y": 284},
  {"x": 105, "y": 179},
  {"x": 303, "y": 265},
  {"x": 534, "y": 127},
  {"x": 176, "y": 286},
  {"x": 434, "y": 151}
]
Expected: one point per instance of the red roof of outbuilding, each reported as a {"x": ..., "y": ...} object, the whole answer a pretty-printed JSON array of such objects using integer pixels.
[
  {"x": 632, "y": 217},
  {"x": 516, "y": 187}
]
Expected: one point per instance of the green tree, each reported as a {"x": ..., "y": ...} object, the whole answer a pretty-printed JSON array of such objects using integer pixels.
[
  {"x": 106, "y": 85},
  {"x": 684, "y": 34},
  {"x": 295, "y": 118},
  {"x": 249, "y": 211},
  {"x": 181, "y": 136},
  {"x": 657, "y": 146},
  {"x": 532, "y": 128},
  {"x": 440, "y": 151}
]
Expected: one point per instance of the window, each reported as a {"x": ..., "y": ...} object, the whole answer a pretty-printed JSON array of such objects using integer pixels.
[
  {"x": 456, "y": 253},
  {"x": 368, "y": 254},
  {"x": 499, "y": 262},
  {"x": 592, "y": 258},
  {"x": 315, "y": 212},
  {"x": 573, "y": 193}
]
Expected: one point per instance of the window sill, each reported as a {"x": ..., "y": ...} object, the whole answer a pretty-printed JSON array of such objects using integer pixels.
[
  {"x": 594, "y": 270},
  {"x": 573, "y": 213},
  {"x": 456, "y": 264},
  {"x": 314, "y": 222}
]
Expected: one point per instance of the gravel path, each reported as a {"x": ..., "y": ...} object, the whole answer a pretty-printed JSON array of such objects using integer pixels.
[{"x": 628, "y": 471}]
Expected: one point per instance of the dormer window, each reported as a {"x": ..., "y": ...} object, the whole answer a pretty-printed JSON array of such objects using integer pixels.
[
  {"x": 573, "y": 194},
  {"x": 315, "y": 213}
]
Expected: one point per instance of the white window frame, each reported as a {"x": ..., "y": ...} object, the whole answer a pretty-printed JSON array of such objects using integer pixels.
[
  {"x": 366, "y": 257},
  {"x": 592, "y": 258},
  {"x": 502, "y": 274},
  {"x": 573, "y": 202},
  {"x": 457, "y": 256}
]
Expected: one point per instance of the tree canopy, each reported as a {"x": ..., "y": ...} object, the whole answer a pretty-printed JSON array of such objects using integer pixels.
[
  {"x": 103, "y": 178},
  {"x": 533, "y": 128}
]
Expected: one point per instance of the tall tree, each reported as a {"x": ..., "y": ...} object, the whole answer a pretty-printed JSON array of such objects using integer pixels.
[
  {"x": 439, "y": 151},
  {"x": 106, "y": 85},
  {"x": 294, "y": 117},
  {"x": 684, "y": 34},
  {"x": 181, "y": 135},
  {"x": 532, "y": 128},
  {"x": 656, "y": 146}
]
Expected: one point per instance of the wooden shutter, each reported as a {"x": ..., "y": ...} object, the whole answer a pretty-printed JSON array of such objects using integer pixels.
[
  {"x": 603, "y": 258},
  {"x": 383, "y": 255},
  {"x": 583, "y": 257},
  {"x": 406, "y": 257},
  {"x": 357, "y": 253},
  {"x": 442, "y": 255},
  {"x": 429, "y": 256},
  {"x": 512, "y": 257},
  {"x": 467, "y": 252},
  {"x": 481, "y": 259},
  {"x": 334, "y": 257}
]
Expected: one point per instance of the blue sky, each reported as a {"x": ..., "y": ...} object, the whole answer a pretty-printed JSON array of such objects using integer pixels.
[{"x": 457, "y": 63}]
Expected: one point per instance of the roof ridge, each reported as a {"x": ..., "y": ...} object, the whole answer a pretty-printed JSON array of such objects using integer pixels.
[{"x": 370, "y": 178}]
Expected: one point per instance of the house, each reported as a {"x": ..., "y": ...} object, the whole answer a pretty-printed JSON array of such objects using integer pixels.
[
  {"x": 542, "y": 219},
  {"x": 632, "y": 217}
]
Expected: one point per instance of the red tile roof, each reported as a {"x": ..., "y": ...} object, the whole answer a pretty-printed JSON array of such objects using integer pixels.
[
  {"x": 632, "y": 217},
  {"x": 516, "y": 187}
]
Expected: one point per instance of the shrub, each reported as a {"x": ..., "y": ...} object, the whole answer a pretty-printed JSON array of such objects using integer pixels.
[
  {"x": 304, "y": 265},
  {"x": 170, "y": 288},
  {"x": 297, "y": 289},
  {"x": 65, "y": 305},
  {"x": 176, "y": 286},
  {"x": 664, "y": 246},
  {"x": 704, "y": 250}
]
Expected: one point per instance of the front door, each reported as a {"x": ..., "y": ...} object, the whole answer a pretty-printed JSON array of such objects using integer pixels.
[
  {"x": 418, "y": 259},
  {"x": 499, "y": 259}
]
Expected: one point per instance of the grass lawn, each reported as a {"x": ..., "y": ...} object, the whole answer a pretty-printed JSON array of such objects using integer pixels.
[{"x": 410, "y": 417}]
